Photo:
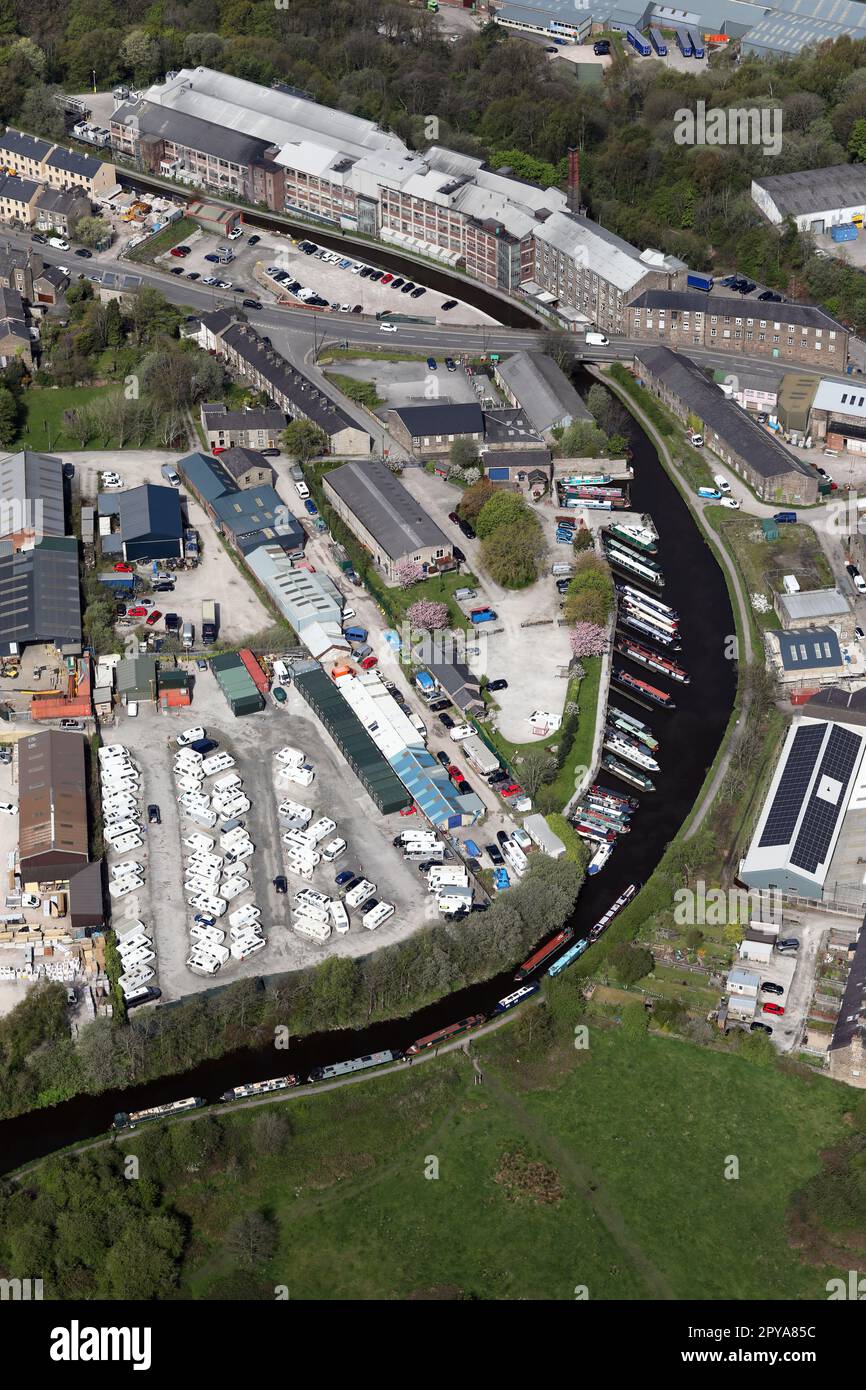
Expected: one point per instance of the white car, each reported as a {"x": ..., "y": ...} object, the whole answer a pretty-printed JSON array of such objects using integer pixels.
[
  {"x": 697, "y": 440},
  {"x": 236, "y": 234},
  {"x": 209, "y": 280},
  {"x": 302, "y": 490},
  {"x": 387, "y": 328},
  {"x": 111, "y": 480},
  {"x": 190, "y": 736},
  {"x": 859, "y": 583},
  {"x": 8, "y": 808},
  {"x": 730, "y": 502}
]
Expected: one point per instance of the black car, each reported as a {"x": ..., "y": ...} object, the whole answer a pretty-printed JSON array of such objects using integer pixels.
[
  {"x": 358, "y": 309},
  {"x": 204, "y": 745},
  {"x": 397, "y": 282},
  {"x": 495, "y": 854},
  {"x": 176, "y": 270},
  {"x": 760, "y": 1028},
  {"x": 356, "y": 879},
  {"x": 852, "y": 570},
  {"x": 408, "y": 287},
  {"x": 458, "y": 554},
  {"x": 770, "y": 988},
  {"x": 267, "y": 342},
  {"x": 376, "y": 274},
  {"x": 38, "y": 238},
  {"x": 771, "y": 297},
  {"x": 418, "y": 291},
  {"x": 496, "y": 777},
  {"x": 497, "y": 685},
  {"x": 443, "y": 758},
  {"x": 467, "y": 528},
  {"x": 788, "y": 943},
  {"x": 281, "y": 883},
  {"x": 366, "y": 272},
  {"x": 69, "y": 471},
  {"x": 193, "y": 275},
  {"x": 251, "y": 304},
  {"x": 601, "y": 48},
  {"x": 82, "y": 251},
  {"x": 253, "y": 240},
  {"x": 446, "y": 721},
  {"x": 438, "y": 705},
  {"x": 503, "y": 837},
  {"x": 165, "y": 586},
  {"x": 270, "y": 453},
  {"x": 153, "y": 815},
  {"x": 450, "y": 304},
  {"x": 449, "y": 362},
  {"x": 120, "y": 610}
]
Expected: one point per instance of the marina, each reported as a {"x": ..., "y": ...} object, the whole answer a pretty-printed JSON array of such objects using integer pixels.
[{"x": 626, "y": 646}]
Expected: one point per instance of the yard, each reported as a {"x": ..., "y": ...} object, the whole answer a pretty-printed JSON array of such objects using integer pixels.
[
  {"x": 585, "y": 695},
  {"x": 763, "y": 564},
  {"x": 44, "y": 426},
  {"x": 172, "y": 235}
]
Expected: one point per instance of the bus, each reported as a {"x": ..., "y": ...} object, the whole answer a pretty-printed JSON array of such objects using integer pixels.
[
  {"x": 684, "y": 44},
  {"x": 638, "y": 42},
  {"x": 697, "y": 44},
  {"x": 658, "y": 42}
]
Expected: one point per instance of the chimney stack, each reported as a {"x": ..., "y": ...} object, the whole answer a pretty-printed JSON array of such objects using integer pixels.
[{"x": 573, "y": 178}]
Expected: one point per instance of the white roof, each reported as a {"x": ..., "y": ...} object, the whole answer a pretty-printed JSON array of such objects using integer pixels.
[
  {"x": 846, "y": 397},
  {"x": 389, "y": 728},
  {"x": 611, "y": 258}
]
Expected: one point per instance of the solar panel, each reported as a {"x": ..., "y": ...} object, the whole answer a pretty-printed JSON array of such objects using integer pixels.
[
  {"x": 792, "y": 788},
  {"x": 819, "y": 820}
]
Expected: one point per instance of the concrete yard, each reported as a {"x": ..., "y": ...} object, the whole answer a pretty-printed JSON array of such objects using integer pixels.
[
  {"x": 216, "y": 576},
  {"x": 252, "y": 741},
  {"x": 407, "y": 383}
]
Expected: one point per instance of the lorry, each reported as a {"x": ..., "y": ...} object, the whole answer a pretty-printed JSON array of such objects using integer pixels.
[
  {"x": 208, "y": 621},
  {"x": 188, "y": 635},
  {"x": 697, "y": 281}
]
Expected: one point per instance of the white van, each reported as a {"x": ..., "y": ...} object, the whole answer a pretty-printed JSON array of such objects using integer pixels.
[
  {"x": 377, "y": 915},
  {"x": 339, "y": 917},
  {"x": 721, "y": 483},
  {"x": 595, "y": 340},
  {"x": 333, "y": 849}
]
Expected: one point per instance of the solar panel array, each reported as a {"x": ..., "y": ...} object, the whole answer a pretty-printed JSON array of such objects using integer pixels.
[
  {"x": 794, "y": 783},
  {"x": 819, "y": 820}
]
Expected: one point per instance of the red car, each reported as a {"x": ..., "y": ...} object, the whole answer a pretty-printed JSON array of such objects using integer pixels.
[
  {"x": 386, "y": 279},
  {"x": 122, "y": 568},
  {"x": 772, "y": 1009},
  {"x": 136, "y": 612},
  {"x": 409, "y": 810},
  {"x": 453, "y": 770},
  {"x": 180, "y": 250},
  {"x": 511, "y": 790},
  {"x": 220, "y": 449},
  {"x": 153, "y": 617}
]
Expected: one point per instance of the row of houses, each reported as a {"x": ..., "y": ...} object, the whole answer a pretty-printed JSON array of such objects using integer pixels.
[
  {"x": 289, "y": 388},
  {"x": 48, "y": 186}
]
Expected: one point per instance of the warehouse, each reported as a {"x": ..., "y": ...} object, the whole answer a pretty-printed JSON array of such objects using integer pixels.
[
  {"x": 40, "y": 600},
  {"x": 311, "y": 603},
  {"x": 533, "y": 381},
  {"x": 774, "y": 473},
  {"x": 817, "y": 777},
  {"x": 378, "y": 779},
  {"x": 432, "y": 429},
  {"x": 151, "y": 526},
  {"x": 31, "y": 497},
  {"x": 838, "y": 416},
  {"x": 386, "y": 518},
  {"x": 815, "y": 199},
  {"x": 136, "y": 679},
  {"x": 820, "y": 606},
  {"x": 52, "y": 806},
  {"x": 555, "y": 18},
  {"x": 236, "y": 684}
]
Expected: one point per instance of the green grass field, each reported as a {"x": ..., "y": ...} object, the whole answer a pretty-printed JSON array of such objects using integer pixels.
[
  {"x": 43, "y": 426},
  {"x": 763, "y": 564},
  {"x": 603, "y": 1168}
]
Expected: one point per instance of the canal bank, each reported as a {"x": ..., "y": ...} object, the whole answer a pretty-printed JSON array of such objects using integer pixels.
[{"x": 689, "y": 740}]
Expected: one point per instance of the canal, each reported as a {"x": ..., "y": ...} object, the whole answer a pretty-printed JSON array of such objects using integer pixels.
[{"x": 689, "y": 737}]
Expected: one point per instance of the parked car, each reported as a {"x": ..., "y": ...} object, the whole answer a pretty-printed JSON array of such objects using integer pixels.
[
  {"x": 770, "y": 987},
  {"x": 84, "y": 253},
  {"x": 511, "y": 789},
  {"x": 345, "y": 876},
  {"x": 772, "y": 1009},
  {"x": 494, "y": 854},
  {"x": 446, "y": 721},
  {"x": 251, "y": 304},
  {"x": 439, "y": 705},
  {"x": 154, "y": 816},
  {"x": 497, "y": 685},
  {"x": 450, "y": 304},
  {"x": 451, "y": 364},
  {"x": 153, "y": 617},
  {"x": 760, "y": 1028},
  {"x": 193, "y": 275},
  {"x": 281, "y": 883},
  {"x": 311, "y": 507},
  {"x": 432, "y": 363}
]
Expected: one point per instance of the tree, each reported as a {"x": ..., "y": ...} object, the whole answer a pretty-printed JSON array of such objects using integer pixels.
[
  {"x": 140, "y": 52},
  {"x": 304, "y": 440},
  {"x": 41, "y": 113},
  {"x": 588, "y": 607},
  {"x": 9, "y": 413},
  {"x": 475, "y": 497},
  {"x": 857, "y": 139},
  {"x": 90, "y": 230},
  {"x": 252, "y": 1239},
  {"x": 511, "y": 554},
  {"x": 630, "y": 963},
  {"x": 464, "y": 453},
  {"x": 587, "y": 639},
  {"x": 503, "y": 509},
  {"x": 559, "y": 346},
  {"x": 582, "y": 539},
  {"x": 408, "y": 572},
  {"x": 427, "y": 615},
  {"x": 270, "y": 1131},
  {"x": 537, "y": 767},
  {"x": 583, "y": 440}
]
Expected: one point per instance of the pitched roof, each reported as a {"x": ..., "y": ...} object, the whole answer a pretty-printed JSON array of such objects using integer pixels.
[
  {"x": 39, "y": 595},
  {"x": 809, "y": 649},
  {"x": 542, "y": 389},
  {"x": 150, "y": 511},
  {"x": 734, "y": 307},
  {"x": 36, "y": 481},
  {"x": 26, "y": 146},
  {"x": 71, "y": 162},
  {"x": 814, "y": 603},
  {"x": 816, "y": 190},
  {"x": 385, "y": 508},
  {"x": 52, "y": 799},
  {"x": 443, "y": 418},
  {"x": 732, "y": 424},
  {"x": 852, "y": 1015},
  {"x": 237, "y": 460},
  {"x": 287, "y": 381}
]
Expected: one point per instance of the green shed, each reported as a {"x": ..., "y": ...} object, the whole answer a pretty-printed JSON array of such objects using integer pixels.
[
  {"x": 770, "y": 529},
  {"x": 236, "y": 684},
  {"x": 376, "y": 776}
]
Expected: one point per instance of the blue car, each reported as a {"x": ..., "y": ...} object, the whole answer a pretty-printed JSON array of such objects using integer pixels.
[
  {"x": 311, "y": 507},
  {"x": 202, "y": 919},
  {"x": 344, "y": 876}
]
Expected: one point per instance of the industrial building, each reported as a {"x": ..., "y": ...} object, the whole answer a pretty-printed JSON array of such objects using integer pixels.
[
  {"x": 814, "y": 815},
  {"x": 40, "y": 600},
  {"x": 52, "y": 806},
  {"x": 237, "y": 685},
  {"x": 377, "y": 777},
  {"x": 534, "y": 382},
  {"x": 386, "y": 518},
  {"x": 151, "y": 525},
  {"x": 31, "y": 497},
  {"x": 310, "y": 602},
  {"x": 815, "y": 199},
  {"x": 802, "y": 611},
  {"x": 837, "y": 417},
  {"x": 432, "y": 429},
  {"x": 773, "y": 472},
  {"x": 250, "y": 517},
  {"x": 727, "y": 323}
]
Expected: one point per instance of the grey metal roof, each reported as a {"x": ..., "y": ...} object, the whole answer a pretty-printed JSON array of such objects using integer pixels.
[
  {"x": 852, "y": 1014},
  {"x": 33, "y": 483},
  {"x": 191, "y": 132},
  {"x": 440, "y": 419},
  {"x": 39, "y": 595},
  {"x": 816, "y": 603},
  {"x": 204, "y": 475},
  {"x": 813, "y": 648},
  {"x": 463, "y": 687},
  {"x": 386, "y": 510},
  {"x": 733, "y": 306},
  {"x": 543, "y": 390},
  {"x": 611, "y": 257},
  {"x": 150, "y": 512},
  {"x": 237, "y": 460},
  {"x": 816, "y": 190},
  {"x": 783, "y": 33},
  {"x": 733, "y": 425}
]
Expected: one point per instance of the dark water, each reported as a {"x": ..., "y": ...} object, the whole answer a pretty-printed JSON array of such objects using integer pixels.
[{"x": 689, "y": 737}]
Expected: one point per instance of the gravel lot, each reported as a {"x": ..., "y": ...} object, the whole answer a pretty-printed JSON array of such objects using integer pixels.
[
  {"x": 252, "y": 741},
  {"x": 215, "y": 577}
]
